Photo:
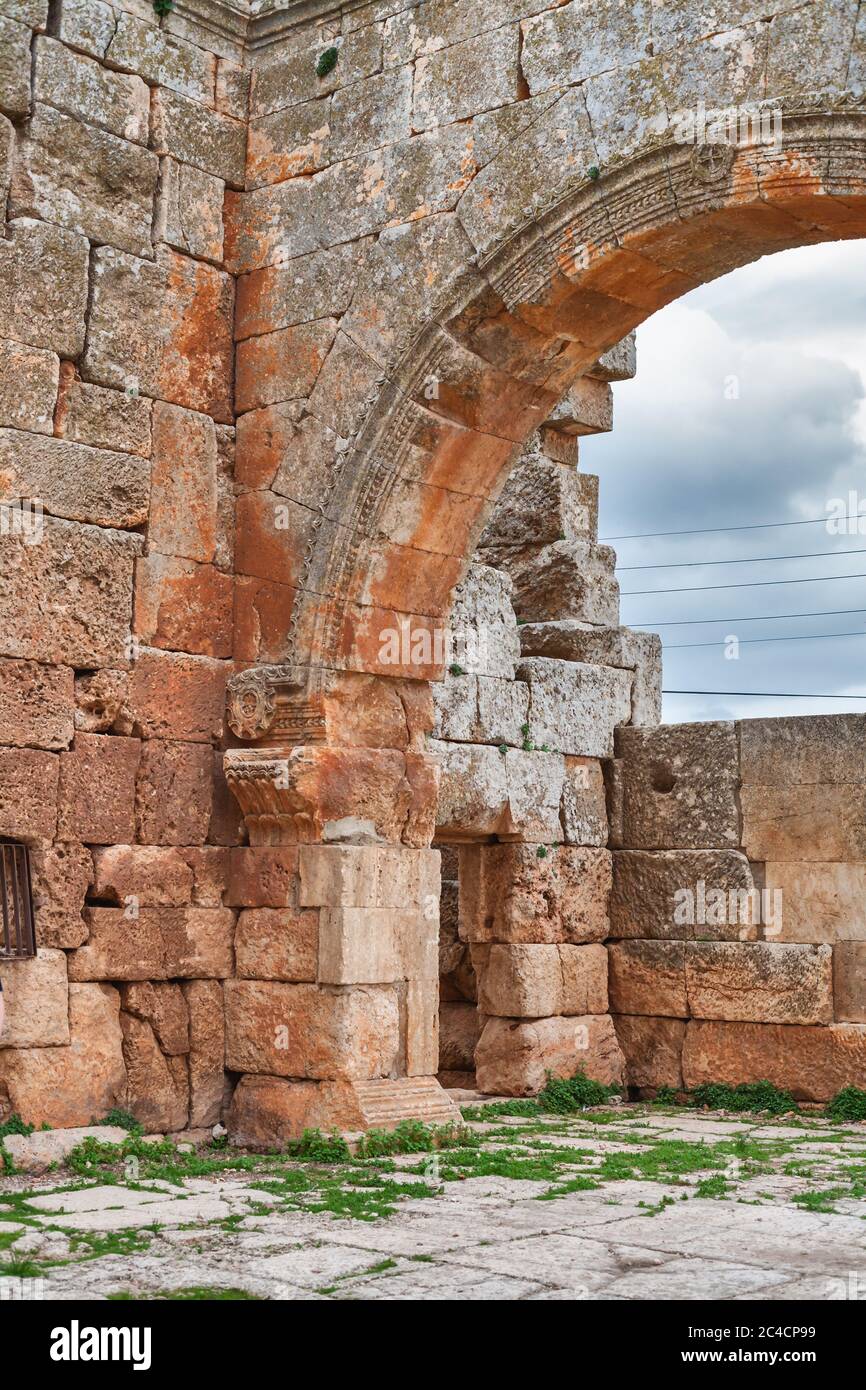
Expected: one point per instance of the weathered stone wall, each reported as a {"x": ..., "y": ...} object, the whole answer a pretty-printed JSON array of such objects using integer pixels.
[
  {"x": 385, "y": 273},
  {"x": 525, "y": 721},
  {"x": 118, "y": 140},
  {"x": 737, "y": 910}
]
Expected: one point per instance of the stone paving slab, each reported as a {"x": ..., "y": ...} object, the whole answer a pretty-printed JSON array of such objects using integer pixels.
[{"x": 518, "y": 1233}]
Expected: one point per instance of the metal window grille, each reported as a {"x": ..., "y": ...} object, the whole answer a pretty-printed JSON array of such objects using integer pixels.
[{"x": 17, "y": 937}]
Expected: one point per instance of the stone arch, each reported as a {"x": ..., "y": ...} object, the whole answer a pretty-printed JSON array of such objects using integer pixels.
[{"x": 514, "y": 327}]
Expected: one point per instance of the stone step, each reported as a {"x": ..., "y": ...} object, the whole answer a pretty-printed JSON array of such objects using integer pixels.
[{"x": 385, "y": 1103}]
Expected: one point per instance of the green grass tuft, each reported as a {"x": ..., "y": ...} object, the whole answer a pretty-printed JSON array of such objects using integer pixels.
[{"x": 756, "y": 1097}]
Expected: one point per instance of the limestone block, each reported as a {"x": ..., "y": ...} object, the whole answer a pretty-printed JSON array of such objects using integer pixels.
[
  {"x": 189, "y": 213},
  {"x": 652, "y": 1048},
  {"x": 173, "y": 793},
  {"x": 820, "y": 902},
  {"x": 340, "y": 399},
  {"x": 67, "y": 599},
  {"x": 485, "y": 791},
  {"x": 473, "y": 790},
  {"x": 183, "y": 606},
  {"x": 803, "y": 750},
  {"x": 573, "y": 707},
  {"x": 101, "y": 704},
  {"x": 28, "y": 793},
  {"x": 277, "y": 944},
  {"x": 44, "y": 310},
  {"x": 377, "y": 945},
  {"x": 268, "y": 1110},
  {"x": 44, "y": 1151},
  {"x": 84, "y": 89},
  {"x": 263, "y": 877},
  {"x": 289, "y": 142},
  {"x": 292, "y": 76},
  {"x": 421, "y": 1029},
  {"x": 151, "y": 875},
  {"x": 535, "y": 783},
  {"x": 74, "y": 1085},
  {"x": 36, "y": 704},
  {"x": 60, "y": 875},
  {"x": 369, "y": 114},
  {"x": 88, "y": 25},
  {"x": 182, "y": 351},
  {"x": 759, "y": 982},
  {"x": 100, "y": 486},
  {"x": 404, "y": 269},
  {"x": 364, "y": 876},
  {"x": 538, "y": 980},
  {"x": 542, "y": 502},
  {"x": 684, "y": 895},
  {"x": 159, "y": 943},
  {"x": 648, "y": 977},
  {"x": 28, "y": 387},
  {"x": 105, "y": 419},
  {"x": 175, "y": 696},
  {"x": 583, "y": 807},
  {"x": 511, "y": 895},
  {"x": 35, "y": 993},
  {"x": 679, "y": 787},
  {"x": 7, "y": 154},
  {"x": 139, "y": 46},
  {"x": 197, "y": 136},
  {"x": 210, "y": 871},
  {"x": 807, "y": 822},
  {"x": 183, "y": 514},
  {"x": 14, "y": 67},
  {"x": 455, "y": 702},
  {"x": 619, "y": 363},
  {"x": 34, "y": 13},
  {"x": 284, "y": 365},
  {"x": 164, "y": 1007},
  {"x": 586, "y": 408},
  {"x": 812, "y": 1063},
  {"x": 204, "y": 1000},
  {"x": 513, "y": 1058},
  {"x": 503, "y": 711},
  {"x": 849, "y": 981},
  {"x": 566, "y": 579},
  {"x": 305, "y": 1031},
  {"x": 459, "y": 1031},
  {"x": 466, "y": 78},
  {"x": 158, "y": 1092},
  {"x": 280, "y": 296},
  {"x": 639, "y": 652},
  {"x": 484, "y": 629},
  {"x": 571, "y": 43},
  {"x": 86, "y": 180},
  {"x": 559, "y": 141},
  {"x": 97, "y": 789}
]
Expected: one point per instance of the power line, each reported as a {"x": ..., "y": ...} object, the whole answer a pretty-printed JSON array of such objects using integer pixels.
[
  {"x": 754, "y": 584},
  {"x": 750, "y": 641},
  {"x": 755, "y": 526},
  {"x": 747, "y": 560},
  {"x": 766, "y": 694},
  {"x": 764, "y": 618}
]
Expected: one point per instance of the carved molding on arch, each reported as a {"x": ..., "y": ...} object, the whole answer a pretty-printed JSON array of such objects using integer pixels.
[{"x": 661, "y": 185}]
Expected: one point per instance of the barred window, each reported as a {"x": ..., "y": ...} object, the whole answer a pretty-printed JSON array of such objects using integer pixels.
[{"x": 17, "y": 937}]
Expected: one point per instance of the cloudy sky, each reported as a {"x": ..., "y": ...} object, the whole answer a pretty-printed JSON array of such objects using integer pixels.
[{"x": 749, "y": 406}]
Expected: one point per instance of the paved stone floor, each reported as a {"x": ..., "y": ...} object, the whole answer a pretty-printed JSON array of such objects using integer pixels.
[{"x": 628, "y": 1203}]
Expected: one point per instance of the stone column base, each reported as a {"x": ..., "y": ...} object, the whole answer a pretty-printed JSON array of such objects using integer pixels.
[{"x": 267, "y": 1111}]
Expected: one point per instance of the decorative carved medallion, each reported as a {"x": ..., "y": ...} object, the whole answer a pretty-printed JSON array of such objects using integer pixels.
[
  {"x": 709, "y": 163},
  {"x": 251, "y": 703}
]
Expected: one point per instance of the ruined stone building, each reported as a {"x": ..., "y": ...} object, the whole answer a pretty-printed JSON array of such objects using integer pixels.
[{"x": 304, "y": 309}]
